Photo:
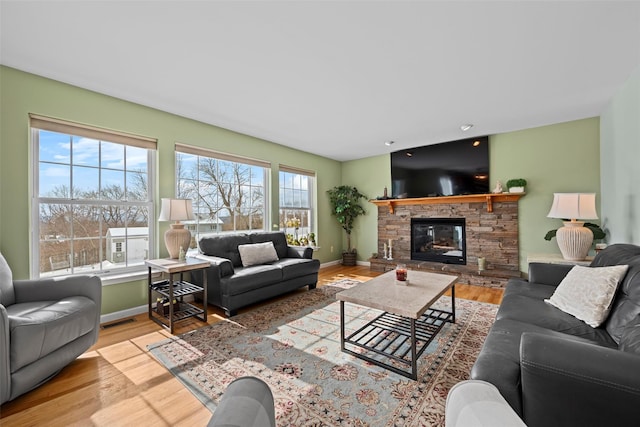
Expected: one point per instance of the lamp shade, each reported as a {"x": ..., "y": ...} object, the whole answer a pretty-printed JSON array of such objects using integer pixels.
[
  {"x": 176, "y": 210},
  {"x": 573, "y": 206}
]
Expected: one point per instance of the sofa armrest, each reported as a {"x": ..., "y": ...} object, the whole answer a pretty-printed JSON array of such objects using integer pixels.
[
  {"x": 547, "y": 273},
  {"x": 223, "y": 266},
  {"x": 299, "y": 252},
  {"x": 55, "y": 288},
  {"x": 573, "y": 383},
  {"x": 5, "y": 370}
]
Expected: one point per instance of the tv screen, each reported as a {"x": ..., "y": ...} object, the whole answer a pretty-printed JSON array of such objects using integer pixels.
[{"x": 447, "y": 169}]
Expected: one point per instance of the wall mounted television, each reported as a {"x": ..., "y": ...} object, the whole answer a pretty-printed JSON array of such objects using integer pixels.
[{"x": 451, "y": 168}]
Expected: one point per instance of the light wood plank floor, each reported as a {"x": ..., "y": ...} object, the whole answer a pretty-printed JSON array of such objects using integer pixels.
[{"x": 118, "y": 383}]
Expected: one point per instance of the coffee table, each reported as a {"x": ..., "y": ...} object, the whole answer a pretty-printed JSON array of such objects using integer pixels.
[{"x": 396, "y": 338}]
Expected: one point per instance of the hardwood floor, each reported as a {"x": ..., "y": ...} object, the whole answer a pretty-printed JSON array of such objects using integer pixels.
[{"x": 118, "y": 383}]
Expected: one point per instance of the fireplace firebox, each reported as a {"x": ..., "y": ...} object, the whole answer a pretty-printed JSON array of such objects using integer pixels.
[{"x": 439, "y": 240}]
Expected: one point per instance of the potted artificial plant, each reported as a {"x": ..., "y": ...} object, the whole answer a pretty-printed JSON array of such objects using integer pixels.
[
  {"x": 345, "y": 205},
  {"x": 516, "y": 185}
]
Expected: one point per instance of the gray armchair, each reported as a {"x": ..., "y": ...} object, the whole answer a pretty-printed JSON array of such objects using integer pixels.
[{"x": 45, "y": 324}]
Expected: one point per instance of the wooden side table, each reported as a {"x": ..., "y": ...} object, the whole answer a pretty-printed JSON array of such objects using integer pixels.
[
  {"x": 176, "y": 290},
  {"x": 556, "y": 259}
]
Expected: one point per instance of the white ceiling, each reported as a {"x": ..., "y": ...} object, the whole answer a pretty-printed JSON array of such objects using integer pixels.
[{"x": 337, "y": 78}]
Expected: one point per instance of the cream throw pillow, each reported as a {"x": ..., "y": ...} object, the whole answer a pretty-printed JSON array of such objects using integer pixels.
[
  {"x": 587, "y": 292},
  {"x": 257, "y": 253}
]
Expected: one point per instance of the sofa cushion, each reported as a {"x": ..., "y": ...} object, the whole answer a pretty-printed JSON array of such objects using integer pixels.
[
  {"x": 277, "y": 237},
  {"x": 7, "y": 294},
  {"x": 257, "y": 253},
  {"x": 630, "y": 339},
  {"x": 535, "y": 311},
  {"x": 626, "y": 305},
  {"x": 39, "y": 328},
  {"x": 587, "y": 292},
  {"x": 246, "y": 279},
  {"x": 297, "y": 267},
  {"x": 224, "y": 246}
]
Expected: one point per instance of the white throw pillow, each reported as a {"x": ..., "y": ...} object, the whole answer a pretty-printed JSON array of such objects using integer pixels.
[
  {"x": 587, "y": 292},
  {"x": 257, "y": 253}
]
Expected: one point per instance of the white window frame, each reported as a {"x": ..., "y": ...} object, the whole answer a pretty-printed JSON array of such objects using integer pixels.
[
  {"x": 37, "y": 123},
  {"x": 311, "y": 183}
]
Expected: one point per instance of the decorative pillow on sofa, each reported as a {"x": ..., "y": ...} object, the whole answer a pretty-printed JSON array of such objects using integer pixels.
[
  {"x": 587, "y": 292},
  {"x": 257, "y": 253}
]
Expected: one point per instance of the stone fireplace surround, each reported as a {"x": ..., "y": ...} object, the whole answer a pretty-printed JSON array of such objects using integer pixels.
[{"x": 491, "y": 232}]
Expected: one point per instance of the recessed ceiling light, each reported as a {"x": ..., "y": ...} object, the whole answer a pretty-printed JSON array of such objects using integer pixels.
[
  {"x": 466, "y": 127},
  {"x": 409, "y": 154},
  {"x": 389, "y": 143},
  {"x": 476, "y": 143}
]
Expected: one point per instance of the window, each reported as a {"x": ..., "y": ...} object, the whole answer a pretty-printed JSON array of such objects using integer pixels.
[
  {"x": 93, "y": 211},
  {"x": 228, "y": 192},
  {"x": 296, "y": 205}
]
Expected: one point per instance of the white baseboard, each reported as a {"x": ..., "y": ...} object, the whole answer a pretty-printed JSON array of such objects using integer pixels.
[
  {"x": 129, "y": 312},
  {"x": 337, "y": 262}
]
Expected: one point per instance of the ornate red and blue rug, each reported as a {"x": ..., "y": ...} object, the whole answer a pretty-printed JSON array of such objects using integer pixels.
[{"x": 294, "y": 345}]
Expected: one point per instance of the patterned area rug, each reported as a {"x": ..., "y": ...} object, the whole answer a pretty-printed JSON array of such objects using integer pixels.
[{"x": 294, "y": 345}]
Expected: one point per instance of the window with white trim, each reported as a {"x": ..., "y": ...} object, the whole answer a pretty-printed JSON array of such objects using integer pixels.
[
  {"x": 93, "y": 210},
  {"x": 229, "y": 192},
  {"x": 296, "y": 205}
]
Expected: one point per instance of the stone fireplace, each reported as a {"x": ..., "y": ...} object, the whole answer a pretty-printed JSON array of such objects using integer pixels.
[{"x": 490, "y": 230}]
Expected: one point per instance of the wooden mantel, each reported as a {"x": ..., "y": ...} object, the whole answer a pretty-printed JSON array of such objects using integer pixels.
[{"x": 489, "y": 199}]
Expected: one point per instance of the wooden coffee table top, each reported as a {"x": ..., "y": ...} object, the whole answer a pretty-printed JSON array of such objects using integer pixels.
[{"x": 410, "y": 300}]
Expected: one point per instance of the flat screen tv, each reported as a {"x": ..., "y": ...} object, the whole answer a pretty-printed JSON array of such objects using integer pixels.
[{"x": 447, "y": 169}]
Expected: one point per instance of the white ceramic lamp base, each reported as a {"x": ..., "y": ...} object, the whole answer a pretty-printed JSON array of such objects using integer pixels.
[
  {"x": 574, "y": 240},
  {"x": 176, "y": 237}
]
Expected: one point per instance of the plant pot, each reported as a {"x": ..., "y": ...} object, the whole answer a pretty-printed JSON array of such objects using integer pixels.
[
  {"x": 349, "y": 258},
  {"x": 516, "y": 190}
]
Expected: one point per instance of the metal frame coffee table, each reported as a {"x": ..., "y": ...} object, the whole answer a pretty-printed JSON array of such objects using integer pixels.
[{"x": 407, "y": 325}]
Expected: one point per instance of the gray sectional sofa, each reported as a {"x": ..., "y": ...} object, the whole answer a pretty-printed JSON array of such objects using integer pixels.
[
  {"x": 555, "y": 370},
  {"x": 233, "y": 284}
]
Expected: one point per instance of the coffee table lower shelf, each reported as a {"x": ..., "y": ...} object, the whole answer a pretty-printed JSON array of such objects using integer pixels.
[{"x": 400, "y": 339}]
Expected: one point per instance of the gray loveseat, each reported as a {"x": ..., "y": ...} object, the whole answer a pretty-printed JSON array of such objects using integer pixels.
[
  {"x": 44, "y": 325},
  {"x": 232, "y": 285},
  {"x": 555, "y": 370}
]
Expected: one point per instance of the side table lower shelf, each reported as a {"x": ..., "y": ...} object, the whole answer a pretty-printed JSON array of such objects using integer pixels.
[{"x": 174, "y": 292}]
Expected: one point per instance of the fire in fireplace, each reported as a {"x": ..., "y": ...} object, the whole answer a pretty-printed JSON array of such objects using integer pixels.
[{"x": 439, "y": 240}]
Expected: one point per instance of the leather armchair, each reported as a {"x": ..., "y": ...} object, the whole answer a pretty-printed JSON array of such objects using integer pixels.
[
  {"x": 247, "y": 402},
  {"x": 45, "y": 324}
]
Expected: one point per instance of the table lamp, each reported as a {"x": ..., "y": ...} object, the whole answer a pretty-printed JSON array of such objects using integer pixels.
[
  {"x": 574, "y": 240},
  {"x": 177, "y": 236}
]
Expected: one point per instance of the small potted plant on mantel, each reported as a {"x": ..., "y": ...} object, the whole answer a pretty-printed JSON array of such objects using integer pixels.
[
  {"x": 345, "y": 204},
  {"x": 516, "y": 185}
]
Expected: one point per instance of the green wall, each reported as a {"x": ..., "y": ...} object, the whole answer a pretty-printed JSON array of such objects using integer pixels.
[
  {"x": 23, "y": 93},
  {"x": 562, "y": 157},
  {"x": 557, "y": 158},
  {"x": 620, "y": 174}
]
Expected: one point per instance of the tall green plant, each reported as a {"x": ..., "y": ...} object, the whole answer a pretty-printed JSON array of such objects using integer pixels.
[{"x": 345, "y": 202}]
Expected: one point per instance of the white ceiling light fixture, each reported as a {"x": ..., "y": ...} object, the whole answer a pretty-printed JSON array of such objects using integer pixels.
[
  {"x": 466, "y": 127},
  {"x": 389, "y": 143}
]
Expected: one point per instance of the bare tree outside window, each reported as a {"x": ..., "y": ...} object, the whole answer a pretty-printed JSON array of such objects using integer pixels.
[{"x": 227, "y": 195}]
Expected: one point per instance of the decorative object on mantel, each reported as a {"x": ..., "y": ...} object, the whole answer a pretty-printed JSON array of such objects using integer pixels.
[
  {"x": 498, "y": 188},
  {"x": 177, "y": 236},
  {"x": 516, "y": 185},
  {"x": 574, "y": 240},
  {"x": 345, "y": 205}
]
